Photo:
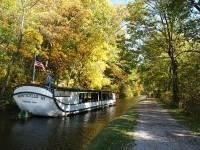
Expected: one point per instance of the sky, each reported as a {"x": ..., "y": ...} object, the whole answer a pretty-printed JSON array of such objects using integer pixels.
[{"x": 120, "y": 1}]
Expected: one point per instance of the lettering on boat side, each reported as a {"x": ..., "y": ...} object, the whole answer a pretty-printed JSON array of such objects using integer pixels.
[
  {"x": 29, "y": 102},
  {"x": 31, "y": 95},
  {"x": 28, "y": 95},
  {"x": 42, "y": 97}
]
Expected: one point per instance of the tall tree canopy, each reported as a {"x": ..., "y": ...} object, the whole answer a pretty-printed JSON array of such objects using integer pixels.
[
  {"x": 164, "y": 34},
  {"x": 76, "y": 39}
]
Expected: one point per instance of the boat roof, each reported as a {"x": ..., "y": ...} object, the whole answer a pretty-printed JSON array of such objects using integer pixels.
[{"x": 66, "y": 88}]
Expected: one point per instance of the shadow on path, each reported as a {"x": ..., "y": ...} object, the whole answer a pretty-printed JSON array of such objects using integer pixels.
[{"x": 157, "y": 130}]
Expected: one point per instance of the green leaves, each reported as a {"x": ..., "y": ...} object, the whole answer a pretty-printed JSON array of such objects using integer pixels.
[{"x": 162, "y": 33}]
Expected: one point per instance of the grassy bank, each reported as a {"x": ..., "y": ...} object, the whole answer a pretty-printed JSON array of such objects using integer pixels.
[
  {"x": 182, "y": 117},
  {"x": 116, "y": 134}
]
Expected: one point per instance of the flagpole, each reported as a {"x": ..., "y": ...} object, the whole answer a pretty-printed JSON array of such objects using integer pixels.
[{"x": 33, "y": 73}]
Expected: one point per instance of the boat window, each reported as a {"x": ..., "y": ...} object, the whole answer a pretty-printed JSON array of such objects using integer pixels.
[
  {"x": 83, "y": 97},
  {"x": 94, "y": 97},
  {"x": 88, "y": 97},
  {"x": 110, "y": 95},
  {"x": 106, "y": 96},
  {"x": 63, "y": 93}
]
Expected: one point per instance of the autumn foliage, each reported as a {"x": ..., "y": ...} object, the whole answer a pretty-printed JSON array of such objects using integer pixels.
[{"x": 76, "y": 40}]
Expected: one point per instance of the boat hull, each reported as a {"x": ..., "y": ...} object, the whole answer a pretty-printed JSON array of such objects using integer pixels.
[
  {"x": 36, "y": 100},
  {"x": 39, "y": 100}
]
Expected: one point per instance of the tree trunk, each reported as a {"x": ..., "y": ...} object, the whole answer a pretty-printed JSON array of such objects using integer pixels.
[
  {"x": 174, "y": 75},
  {"x": 15, "y": 53},
  {"x": 196, "y": 5},
  {"x": 175, "y": 89},
  {"x": 7, "y": 74}
]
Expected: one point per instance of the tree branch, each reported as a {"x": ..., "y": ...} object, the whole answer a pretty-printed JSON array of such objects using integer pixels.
[
  {"x": 187, "y": 51},
  {"x": 196, "y": 5},
  {"x": 33, "y": 4}
]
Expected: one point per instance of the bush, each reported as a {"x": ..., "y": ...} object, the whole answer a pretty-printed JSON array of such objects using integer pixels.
[{"x": 192, "y": 107}]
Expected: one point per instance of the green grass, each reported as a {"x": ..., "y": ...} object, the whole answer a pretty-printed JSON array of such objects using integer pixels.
[
  {"x": 116, "y": 134},
  {"x": 182, "y": 117}
]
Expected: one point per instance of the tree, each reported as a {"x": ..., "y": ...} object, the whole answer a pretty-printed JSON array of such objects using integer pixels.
[
  {"x": 20, "y": 12},
  {"x": 77, "y": 40},
  {"x": 159, "y": 22},
  {"x": 196, "y": 4}
]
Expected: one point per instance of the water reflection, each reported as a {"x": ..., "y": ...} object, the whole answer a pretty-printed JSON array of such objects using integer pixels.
[{"x": 69, "y": 133}]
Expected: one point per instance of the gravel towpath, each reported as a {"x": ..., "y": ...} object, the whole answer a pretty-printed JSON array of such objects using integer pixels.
[{"x": 157, "y": 130}]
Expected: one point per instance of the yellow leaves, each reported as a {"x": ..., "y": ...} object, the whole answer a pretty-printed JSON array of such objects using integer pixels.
[
  {"x": 26, "y": 54},
  {"x": 33, "y": 35},
  {"x": 119, "y": 73},
  {"x": 32, "y": 40},
  {"x": 56, "y": 55},
  {"x": 73, "y": 36},
  {"x": 103, "y": 52},
  {"x": 93, "y": 73},
  {"x": 12, "y": 47},
  {"x": 98, "y": 54}
]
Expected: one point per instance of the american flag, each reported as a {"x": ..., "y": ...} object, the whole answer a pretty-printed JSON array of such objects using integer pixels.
[{"x": 39, "y": 63}]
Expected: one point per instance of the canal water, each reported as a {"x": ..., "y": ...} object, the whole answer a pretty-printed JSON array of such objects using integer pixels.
[{"x": 67, "y": 133}]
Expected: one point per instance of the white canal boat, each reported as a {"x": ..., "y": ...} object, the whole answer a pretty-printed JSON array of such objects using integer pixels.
[{"x": 58, "y": 101}]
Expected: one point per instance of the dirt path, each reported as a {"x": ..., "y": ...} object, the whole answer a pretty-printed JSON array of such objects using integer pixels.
[{"x": 157, "y": 130}]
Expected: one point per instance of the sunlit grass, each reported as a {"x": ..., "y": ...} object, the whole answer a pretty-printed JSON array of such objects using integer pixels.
[
  {"x": 183, "y": 118},
  {"x": 116, "y": 134}
]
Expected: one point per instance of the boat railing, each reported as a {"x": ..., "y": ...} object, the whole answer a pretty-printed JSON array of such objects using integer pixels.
[{"x": 51, "y": 89}]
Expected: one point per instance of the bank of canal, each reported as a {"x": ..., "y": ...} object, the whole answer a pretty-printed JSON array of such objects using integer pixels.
[
  {"x": 70, "y": 133},
  {"x": 117, "y": 134},
  {"x": 148, "y": 126}
]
